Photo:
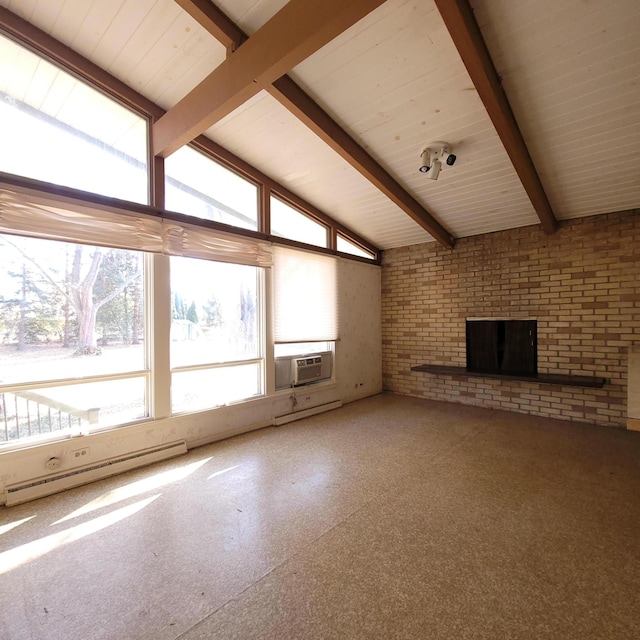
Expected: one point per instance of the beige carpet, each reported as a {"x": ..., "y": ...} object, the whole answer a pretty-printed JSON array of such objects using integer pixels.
[{"x": 389, "y": 518}]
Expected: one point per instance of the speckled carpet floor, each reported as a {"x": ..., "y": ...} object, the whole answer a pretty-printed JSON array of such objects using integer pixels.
[{"x": 391, "y": 518}]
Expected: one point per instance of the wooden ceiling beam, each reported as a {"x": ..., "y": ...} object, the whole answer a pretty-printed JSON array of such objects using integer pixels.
[
  {"x": 465, "y": 32},
  {"x": 299, "y": 29},
  {"x": 289, "y": 94},
  {"x": 208, "y": 16},
  {"x": 292, "y": 97}
]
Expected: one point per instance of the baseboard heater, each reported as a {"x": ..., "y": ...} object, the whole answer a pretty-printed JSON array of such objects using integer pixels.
[
  {"x": 305, "y": 413},
  {"x": 46, "y": 485}
]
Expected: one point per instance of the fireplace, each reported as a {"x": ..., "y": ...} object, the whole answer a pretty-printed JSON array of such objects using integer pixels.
[{"x": 502, "y": 345}]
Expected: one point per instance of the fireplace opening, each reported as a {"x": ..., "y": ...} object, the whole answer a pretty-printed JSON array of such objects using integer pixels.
[{"x": 502, "y": 346}]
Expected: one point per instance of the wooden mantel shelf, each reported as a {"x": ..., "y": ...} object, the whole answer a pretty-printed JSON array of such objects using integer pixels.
[{"x": 541, "y": 378}]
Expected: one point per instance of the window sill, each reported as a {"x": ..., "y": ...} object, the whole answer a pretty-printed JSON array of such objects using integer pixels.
[{"x": 540, "y": 378}]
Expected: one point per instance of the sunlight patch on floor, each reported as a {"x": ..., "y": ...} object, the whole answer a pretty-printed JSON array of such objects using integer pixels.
[
  {"x": 135, "y": 489},
  {"x": 12, "y": 525},
  {"x": 13, "y": 558}
]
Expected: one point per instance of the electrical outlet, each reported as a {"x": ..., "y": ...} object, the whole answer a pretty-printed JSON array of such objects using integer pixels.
[{"x": 79, "y": 454}]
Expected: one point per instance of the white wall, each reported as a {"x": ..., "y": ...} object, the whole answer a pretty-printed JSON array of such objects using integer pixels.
[
  {"x": 358, "y": 373},
  {"x": 359, "y": 350}
]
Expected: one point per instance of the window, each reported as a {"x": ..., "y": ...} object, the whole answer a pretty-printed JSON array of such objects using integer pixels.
[
  {"x": 290, "y": 223},
  {"x": 198, "y": 186},
  {"x": 216, "y": 345},
  {"x": 55, "y": 128},
  {"x": 72, "y": 337},
  {"x": 347, "y": 246}
]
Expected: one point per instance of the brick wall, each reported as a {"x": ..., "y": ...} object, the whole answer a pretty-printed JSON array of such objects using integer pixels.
[{"x": 582, "y": 284}]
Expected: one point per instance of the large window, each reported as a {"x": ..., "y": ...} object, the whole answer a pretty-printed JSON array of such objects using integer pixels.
[
  {"x": 72, "y": 337},
  {"x": 77, "y": 278},
  {"x": 55, "y": 128},
  {"x": 200, "y": 187},
  {"x": 216, "y": 345}
]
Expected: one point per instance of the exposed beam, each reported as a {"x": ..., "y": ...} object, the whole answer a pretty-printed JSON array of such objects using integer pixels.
[
  {"x": 463, "y": 28},
  {"x": 299, "y": 29},
  {"x": 215, "y": 22},
  {"x": 289, "y": 94}
]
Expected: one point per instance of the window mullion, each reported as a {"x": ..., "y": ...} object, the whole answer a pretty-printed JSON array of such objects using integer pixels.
[{"x": 159, "y": 336}]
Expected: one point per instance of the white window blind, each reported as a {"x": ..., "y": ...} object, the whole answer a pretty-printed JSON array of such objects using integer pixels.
[
  {"x": 181, "y": 239},
  {"x": 305, "y": 294},
  {"x": 31, "y": 213}
]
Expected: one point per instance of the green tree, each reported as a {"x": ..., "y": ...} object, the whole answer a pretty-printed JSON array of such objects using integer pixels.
[
  {"x": 35, "y": 309},
  {"x": 192, "y": 313},
  {"x": 178, "y": 308},
  {"x": 212, "y": 312}
]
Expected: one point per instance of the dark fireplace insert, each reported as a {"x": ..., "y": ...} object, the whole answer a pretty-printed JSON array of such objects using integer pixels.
[{"x": 502, "y": 345}]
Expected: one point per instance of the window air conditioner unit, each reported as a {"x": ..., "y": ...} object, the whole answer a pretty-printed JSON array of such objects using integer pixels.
[{"x": 294, "y": 371}]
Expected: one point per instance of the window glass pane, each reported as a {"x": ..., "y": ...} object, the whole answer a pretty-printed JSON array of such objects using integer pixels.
[
  {"x": 69, "y": 310},
  {"x": 71, "y": 409},
  {"x": 214, "y": 315},
  {"x": 346, "y": 246},
  {"x": 198, "y": 186},
  {"x": 209, "y": 388},
  {"x": 290, "y": 223},
  {"x": 55, "y": 128}
]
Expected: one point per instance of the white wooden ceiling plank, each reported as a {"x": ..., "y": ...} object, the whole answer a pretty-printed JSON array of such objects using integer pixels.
[
  {"x": 108, "y": 51},
  {"x": 185, "y": 71},
  {"x": 49, "y": 11},
  {"x": 567, "y": 26},
  {"x": 171, "y": 57},
  {"x": 588, "y": 95},
  {"x": 151, "y": 25},
  {"x": 69, "y": 19},
  {"x": 389, "y": 38},
  {"x": 23, "y": 8},
  {"x": 94, "y": 25},
  {"x": 566, "y": 70},
  {"x": 250, "y": 15}
]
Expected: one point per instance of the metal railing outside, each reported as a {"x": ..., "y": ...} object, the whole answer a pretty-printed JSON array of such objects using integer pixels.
[{"x": 25, "y": 414}]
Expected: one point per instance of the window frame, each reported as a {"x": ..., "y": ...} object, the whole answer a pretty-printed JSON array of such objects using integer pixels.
[
  {"x": 304, "y": 214},
  {"x": 207, "y": 154},
  {"x": 259, "y": 360},
  {"x": 144, "y": 374}
]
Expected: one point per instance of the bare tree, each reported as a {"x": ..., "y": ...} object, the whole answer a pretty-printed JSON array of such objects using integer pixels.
[{"x": 80, "y": 291}]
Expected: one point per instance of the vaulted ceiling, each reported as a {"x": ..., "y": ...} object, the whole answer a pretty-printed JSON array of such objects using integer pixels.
[{"x": 539, "y": 100}]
